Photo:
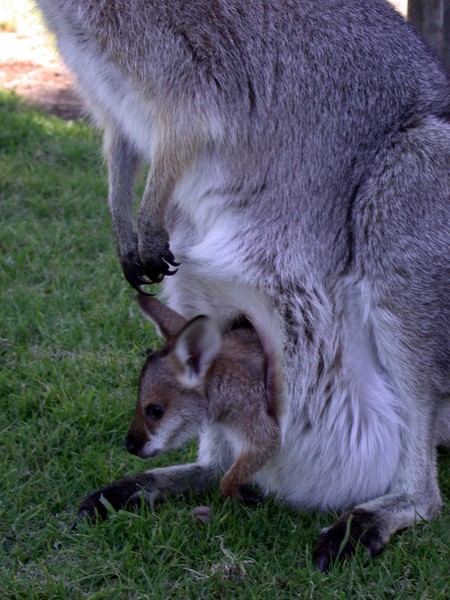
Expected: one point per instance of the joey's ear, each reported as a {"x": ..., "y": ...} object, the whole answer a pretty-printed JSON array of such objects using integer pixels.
[
  {"x": 195, "y": 349},
  {"x": 167, "y": 322}
]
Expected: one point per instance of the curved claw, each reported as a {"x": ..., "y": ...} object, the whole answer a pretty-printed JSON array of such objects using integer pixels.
[
  {"x": 147, "y": 272},
  {"x": 339, "y": 541},
  {"x": 157, "y": 278},
  {"x": 323, "y": 564},
  {"x": 133, "y": 274},
  {"x": 157, "y": 270},
  {"x": 169, "y": 258}
]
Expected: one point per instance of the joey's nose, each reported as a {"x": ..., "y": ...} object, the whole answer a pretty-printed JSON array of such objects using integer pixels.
[{"x": 131, "y": 444}]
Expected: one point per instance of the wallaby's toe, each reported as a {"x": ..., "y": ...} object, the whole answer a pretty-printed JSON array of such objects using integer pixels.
[{"x": 339, "y": 541}]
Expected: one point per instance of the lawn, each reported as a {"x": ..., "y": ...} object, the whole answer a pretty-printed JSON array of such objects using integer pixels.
[{"x": 70, "y": 345}]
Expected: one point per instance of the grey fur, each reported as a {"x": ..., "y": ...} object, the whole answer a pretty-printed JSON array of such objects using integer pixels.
[{"x": 300, "y": 170}]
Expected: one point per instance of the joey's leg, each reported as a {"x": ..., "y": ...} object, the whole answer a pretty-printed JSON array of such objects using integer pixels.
[
  {"x": 232, "y": 484},
  {"x": 247, "y": 464},
  {"x": 123, "y": 165},
  {"x": 154, "y": 485}
]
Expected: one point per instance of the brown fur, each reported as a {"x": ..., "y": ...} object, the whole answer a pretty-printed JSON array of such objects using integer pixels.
[{"x": 211, "y": 380}]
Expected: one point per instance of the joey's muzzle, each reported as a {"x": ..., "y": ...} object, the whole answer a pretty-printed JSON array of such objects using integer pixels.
[{"x": 132, "y": 444}]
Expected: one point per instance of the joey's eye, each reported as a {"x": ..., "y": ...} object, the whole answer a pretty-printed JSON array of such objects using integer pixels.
[{"x": 154, "y": 411}]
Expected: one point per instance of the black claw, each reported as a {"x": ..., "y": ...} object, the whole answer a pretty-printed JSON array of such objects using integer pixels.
[
  {"x": 171, "y": 261},
  {"x": 323, "y": 564},
  {"x": 168, "y": 256},
  {"x": 250, "y": 495},
  {"x": 147, "y": 351},
  {"x": 157, "y": 273},
  {"x": 140, "y": 274},
  {"x": 143, "y": 292},
  {"x": 133, "y": 272},
  {"x": 340, "y": 541},
  {"x": 158, "y": 278}
]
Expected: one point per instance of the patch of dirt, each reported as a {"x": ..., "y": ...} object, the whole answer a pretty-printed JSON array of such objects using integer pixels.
[{"x": 30, "y": 68}]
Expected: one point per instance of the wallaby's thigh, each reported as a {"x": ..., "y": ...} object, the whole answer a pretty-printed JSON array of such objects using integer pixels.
[
  {"x": 443, "y": 425},
  {"x": 402, "y": 249},
  {"x": 402, "y": 233}
]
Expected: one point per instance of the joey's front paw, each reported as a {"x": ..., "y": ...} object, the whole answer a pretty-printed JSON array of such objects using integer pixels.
[
  {"x": 120, "y": 494},
  {"x": 340, "y": 540},
  {"x": 246, "y": 494},
  {"x": 156, "y": 256}
]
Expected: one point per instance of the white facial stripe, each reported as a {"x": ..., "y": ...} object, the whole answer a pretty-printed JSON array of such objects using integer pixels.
[{"x": 165, "y": 437}]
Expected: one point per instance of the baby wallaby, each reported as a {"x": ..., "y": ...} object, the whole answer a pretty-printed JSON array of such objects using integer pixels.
[{"x": 204, "y": 378}]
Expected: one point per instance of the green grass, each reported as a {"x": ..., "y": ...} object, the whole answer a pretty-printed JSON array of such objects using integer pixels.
[{"x": 70, "y": 343}]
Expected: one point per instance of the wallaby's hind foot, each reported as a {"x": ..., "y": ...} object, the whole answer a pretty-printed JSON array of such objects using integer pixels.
[
  {"x": 338, "y": 542},
  {"x": 372, "y": 524}
]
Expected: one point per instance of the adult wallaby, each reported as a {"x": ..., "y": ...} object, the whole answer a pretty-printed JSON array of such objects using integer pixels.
[
  {"x": 202, "y": 380},
  {"x": 300, "y": 167}
]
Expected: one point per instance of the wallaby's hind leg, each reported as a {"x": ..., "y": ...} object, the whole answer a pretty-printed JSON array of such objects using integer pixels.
[
  {"x": 402, "y": 233},
  {"x": 443, "y": 426},
  {"x": 373, "y": 523}
]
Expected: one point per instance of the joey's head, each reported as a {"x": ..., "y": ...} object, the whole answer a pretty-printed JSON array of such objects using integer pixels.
[{"x": 172, "y": 406}]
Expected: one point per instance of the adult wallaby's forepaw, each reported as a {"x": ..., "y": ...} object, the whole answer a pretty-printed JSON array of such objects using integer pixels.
[
  {"x": 340, "y": 540},
  {"x": 156, "y": 256},
  {"x": 134, "y": 273},
  {"x": 156, "y": 268},
  {"x": 151, "y": 264}
]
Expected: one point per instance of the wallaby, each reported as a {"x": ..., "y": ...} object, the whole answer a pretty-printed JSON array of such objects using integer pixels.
[
  {"x": 202, "y": 379},
  {"x": 300, "y": 158}
]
